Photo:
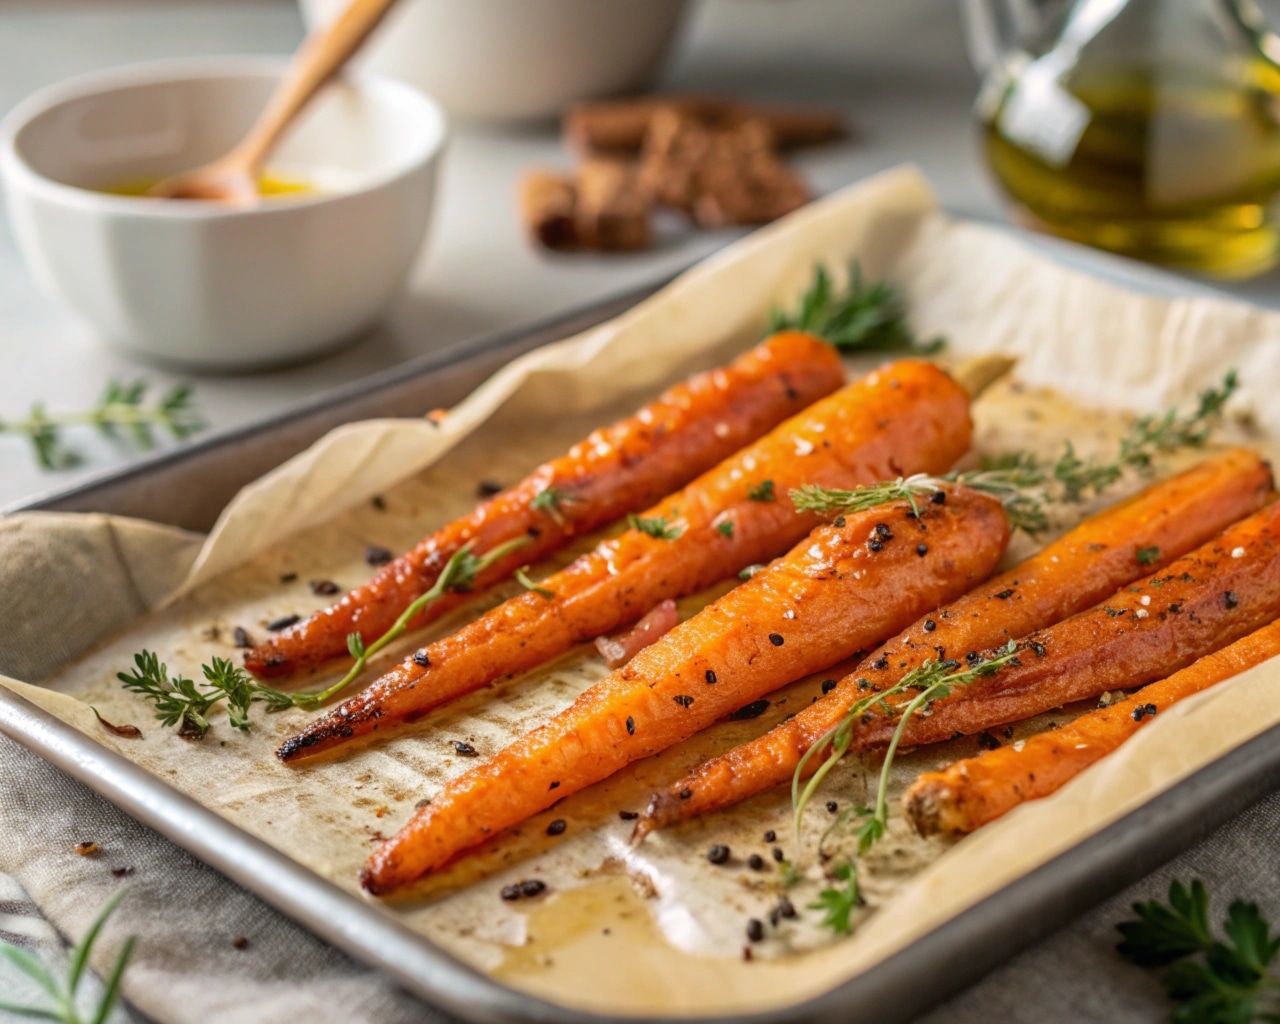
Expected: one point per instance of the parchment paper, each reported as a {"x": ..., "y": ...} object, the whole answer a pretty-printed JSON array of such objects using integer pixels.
[{"x": 655, "y": 928}]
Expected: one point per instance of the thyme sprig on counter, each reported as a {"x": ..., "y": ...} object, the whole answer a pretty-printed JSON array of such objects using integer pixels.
[
  {"x": 1212, "y": 981},
  {"x": 63, "y": 992},
  {"x": 932, "y": 680},
  {"x": 122, "y": 412},
  {"x": 861, "y": 318},
  {"x": 186, "y": 704},
  {"x": 1024, "y": 483}
]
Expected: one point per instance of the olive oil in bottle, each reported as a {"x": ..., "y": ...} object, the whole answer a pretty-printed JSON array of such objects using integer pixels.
[{"x": 1155, "y": 134}]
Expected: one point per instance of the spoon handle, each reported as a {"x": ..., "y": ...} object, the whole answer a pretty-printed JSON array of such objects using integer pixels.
[{"x": 319, "y": 57}]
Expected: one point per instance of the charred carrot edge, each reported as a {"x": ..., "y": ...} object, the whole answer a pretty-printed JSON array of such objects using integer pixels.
[
  {"x": 843, "y": 587},
  {"x": 977, "y": 790},
  {"x": 668, "y": 442},
  {"x": 1079, "y": 569},
  {"x": 907, "y": 417},
  {"x": 1212, "y": 597}
]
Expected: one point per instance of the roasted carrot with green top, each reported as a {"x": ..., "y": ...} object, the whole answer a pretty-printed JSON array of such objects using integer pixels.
[
  {"x": 844, "y": 587},
  {"x": 615, "y": 470},
  {"x": 907, "y": 417},
  {"x": 1118, "y": 545},
  {"x": 977, "y": 790}
]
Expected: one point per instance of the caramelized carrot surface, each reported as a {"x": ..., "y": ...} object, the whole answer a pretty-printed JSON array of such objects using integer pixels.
[
  {"x": 1086, "y": 564},
  {"x": 977, "y": 790},
  {"x": 615, "y": 470},
  {"x": 1219, "y": 593},
  {"x": 843, "y": 588},
  {"x": 907, "y": 417}
]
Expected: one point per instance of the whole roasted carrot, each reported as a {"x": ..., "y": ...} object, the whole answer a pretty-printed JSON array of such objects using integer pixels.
[
  {"x": 977, "y": 790},
  {"x": 907, "y": 417},
  {"x": 841, "y": 589},
  {"x": 1162, "y": 523},
  {"x": 1222, "y": 591},
  {"x": 615, "y": 470}
]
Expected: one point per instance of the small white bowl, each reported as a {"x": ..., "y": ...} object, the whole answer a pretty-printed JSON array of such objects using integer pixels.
[
  {"x": 514, "y": 60},
  {"x": 200, "y": 284}
]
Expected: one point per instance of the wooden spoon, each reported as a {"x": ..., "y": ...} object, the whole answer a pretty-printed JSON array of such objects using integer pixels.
[{"x": 234, "y": 178}]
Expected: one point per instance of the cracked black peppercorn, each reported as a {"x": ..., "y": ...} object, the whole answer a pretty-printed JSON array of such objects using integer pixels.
[
  {"x": 776, "y": 639},
  {"x": 1229, "y": 599},
  {"x": 828, "y": 685},
  {"x": 631, "y": 726},
  {"x": 718, "y": 854},
  {"x": 683, "y": 700},
  {"x": 284, "y": 622},
  {"x": 421, "y": 660},
  {"x": 770, "y": 836},
  {"x": 711, "y": 677},
  {"x": 777, "y": 853},
  {"x": 938, "y": 497},
  {"x": 557, "y": 827},
  {"x": 376, "y": 555},
  {"x": 883, "y": 532},
  {"x": 755, "y": 929},
  {"x": 832, "y": 807},
  {"x": 240, "y": 637},
  {"x": 922, "y": 550},
  {"x": 628, "y": 815},
  {"x": 465, "y": 749},
  {"x": 930, "y": 625},
  {"x": 875, "y": 545},
  {"x": 322, "y": 588},
  {"x": 755, "y": 862}
]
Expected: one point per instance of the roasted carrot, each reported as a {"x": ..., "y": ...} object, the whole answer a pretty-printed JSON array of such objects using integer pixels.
[
  {"x": 1086, "y": 564},
  {"x": 907, "y": 417},
  {"x": 977, "y": 790},
  {"x": 615, "y": 470},
  {"x": 843, "y": 588},
  {"x": 1222, "y": 591}
]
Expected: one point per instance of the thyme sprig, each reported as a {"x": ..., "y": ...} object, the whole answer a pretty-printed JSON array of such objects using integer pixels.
[
  {"x": 932, "y": 680},
  {"x": 861, "y": 318},
  {"x": 185, "y": 703},
  {"x": 551, "y": 501},
  {"x": 1025, "y": 484},
  {"x": 121, "y": 412},
  {"x": 63, "y": 993}
]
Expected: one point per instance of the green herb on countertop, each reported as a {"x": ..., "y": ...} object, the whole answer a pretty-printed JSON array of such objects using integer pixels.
[
  {"x": 1024, "y": 483},
  {"x": 860, "y": 318},
  {"x": 63, "y": 1009},
  {"x": 1212, "y": 981},
  {"x": 121, "y": 413}
]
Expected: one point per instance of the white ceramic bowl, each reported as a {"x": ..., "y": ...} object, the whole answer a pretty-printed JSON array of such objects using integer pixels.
[
  {"x": 517, "y": 59},
  {"x": 197, "y": 283}
]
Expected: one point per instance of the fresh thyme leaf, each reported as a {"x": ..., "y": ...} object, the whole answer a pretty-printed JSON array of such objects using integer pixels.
[
  {"x": 523, "y": 578},
  {"x": 725, "y": 529},
  {"x": 838, "y": 902},
  {"x": 1147, "y": 556},
  {"x": 63, "y": 994},
  {"x": 121, "y": 413},
  {"x": 1214, "y": 982},
  {"x": 551, "y": 500},
  {"x": 932, "y": 680},
  {"x": 763, "y": 491},
  {"x": 177, "y": 701},
  {"x": 655, "y": 526},
  {"x": 1025, "y": 484},
  {"x": 861, "y": 318}
]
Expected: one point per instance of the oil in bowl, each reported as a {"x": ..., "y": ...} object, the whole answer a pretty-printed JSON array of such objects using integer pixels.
[{"x": 272, "y": 185}]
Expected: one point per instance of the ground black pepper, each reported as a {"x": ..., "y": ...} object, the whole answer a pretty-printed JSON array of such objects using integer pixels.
[
  {"x": 1004, "y": 595},
  {"x": 777, "y": 853},
  {"x": 240, "y": 637},
  {"x": 776, "y": 639},
  {"x": 930, "y": 625},
  {"x": 748, "y": 711},
  {"x": 684, "y": 700},
  {"x": 421, "y": 660},
  {"x": 628, "y": 815},
  {"x": 631, "y": 726},
  {"x": 755, "y": 929},
  {"x": 828, "y": 685},
  {"x": 938, "y": 497},
  {"x": 376, "y": 555},
  {"x": 465, "y": 749},
  {"x": 832, "y": 807},
  {"x": 770, "y": 836},
  {"x": 883, "y": 532},
  {"x": 922, "y": 550},
  {"x": 685, "y": 794},
  {"x": 711, "y": 677},
  {"x": 487, "y": 489},
  {"x": 755, "y": 862},
  {"x": 322, "y": 588},
  {"x": 875, "y": 545},
  {"x": 557, "y": 827},
  {"x": 284, "y": 622}
]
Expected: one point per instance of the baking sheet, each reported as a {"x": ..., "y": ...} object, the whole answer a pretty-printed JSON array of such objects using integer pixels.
[{"x": 892, "y": 225}]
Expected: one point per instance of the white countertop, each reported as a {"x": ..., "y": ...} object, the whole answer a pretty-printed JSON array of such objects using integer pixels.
[{"x": 897, "y": 68}]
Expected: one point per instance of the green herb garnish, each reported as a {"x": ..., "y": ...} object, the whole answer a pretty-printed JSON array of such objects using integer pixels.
[
  {"x": 1147, "y": 556},
  {"x": 861, "y": 318},
  {"x": 120, "y": 413},
  {"x": 750, "y": 571},
  {"x": 1212, "y": 981},
  {"x": 63, "y": 993},
  {"x": 551, "y": 500},
  {"x": 838, "y": 902},
  {"x": 522, "y": 577},
  {"x": 763, "y": 491},
  {"x": 932, "y": 680},
  {"x": 725, "y": 529},
  {"x": 655, "y": 526},
  {"x": 1023, "y": 483}
]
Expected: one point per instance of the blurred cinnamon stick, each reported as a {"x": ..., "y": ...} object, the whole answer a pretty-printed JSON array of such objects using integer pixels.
[{"x": 618, "y": 127}]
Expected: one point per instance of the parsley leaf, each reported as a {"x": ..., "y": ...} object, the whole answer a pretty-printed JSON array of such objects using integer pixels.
[
  {"x": 838, "y": 902},
  {"x": 763, "y": 491},
  {"x": 655, "y": 526},
  {"x": 1148, "y": 556}
]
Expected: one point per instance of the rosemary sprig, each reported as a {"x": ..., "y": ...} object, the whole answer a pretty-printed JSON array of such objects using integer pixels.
[
  {"x": 63, "y": 993},
  {"x": 861, "y": 318},
  {"x": 121, "y": 412},
  {"x": 1024, "y": 483},
  {"x": 181, "y": 700},
  {"x": 932, "y": 680}
]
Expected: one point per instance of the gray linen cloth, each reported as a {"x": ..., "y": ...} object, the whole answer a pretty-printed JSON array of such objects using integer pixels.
[{"x": 188, "y": 918}]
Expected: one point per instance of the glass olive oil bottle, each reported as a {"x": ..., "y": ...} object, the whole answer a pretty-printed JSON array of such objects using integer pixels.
[{"x": 1149, "y": 127}]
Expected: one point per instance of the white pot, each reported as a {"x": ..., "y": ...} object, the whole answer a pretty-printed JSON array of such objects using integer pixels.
[
  {"x": 517, "y": 59},
  {"x": 202, "y": 284}
]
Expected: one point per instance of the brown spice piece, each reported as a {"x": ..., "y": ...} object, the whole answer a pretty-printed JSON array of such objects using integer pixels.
[
  {"x": 612, "y": 212},
  {"x": 86, "y": 849},
  {"x": 548, "y": 202},
  {"x": 240, "y": 942},
  {"x": 619, "y": 126}
]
